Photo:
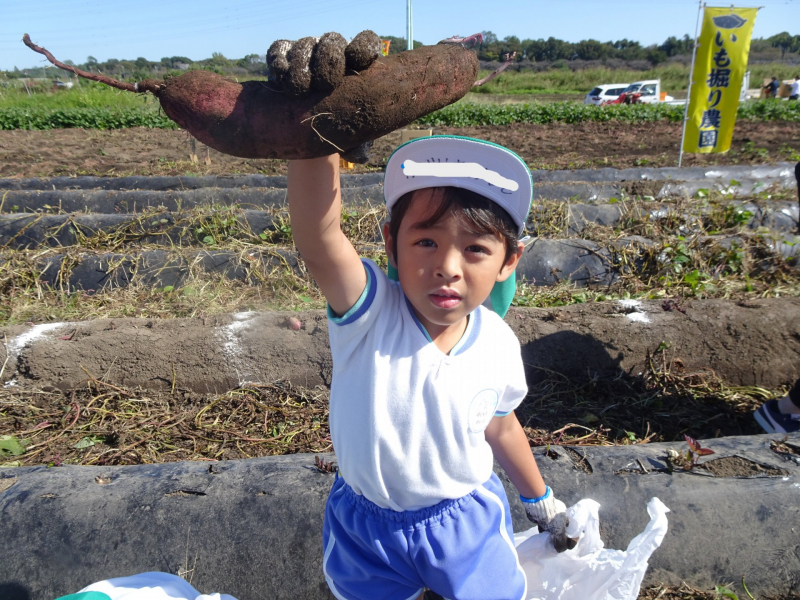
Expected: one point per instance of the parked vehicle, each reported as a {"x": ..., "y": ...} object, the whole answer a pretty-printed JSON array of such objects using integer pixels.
[
  {"x": 605, "y": 93},
  {"x": 643, "y": 92}
]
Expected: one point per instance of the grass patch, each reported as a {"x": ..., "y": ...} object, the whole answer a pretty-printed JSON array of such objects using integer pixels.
[
  {"x": 88, "y": 105},
  {"x": 674, "y": 77},
  {"x": 84, "y": 95},
  {"x": 272, "y": 281},
  {"x": 270, "y": 284}
]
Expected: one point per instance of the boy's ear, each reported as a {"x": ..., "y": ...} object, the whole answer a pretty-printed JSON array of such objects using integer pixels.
[
  {"x": 388, "y": 244},
  {"x": 508, "y": 267}
]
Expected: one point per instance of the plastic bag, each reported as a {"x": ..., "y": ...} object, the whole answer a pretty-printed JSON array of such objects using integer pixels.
[
  {"x": 589, "y": 571},
  {"x": 151, "y": 586}
]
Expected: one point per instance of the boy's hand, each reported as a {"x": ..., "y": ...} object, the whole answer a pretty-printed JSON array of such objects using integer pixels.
[
  {"x": 550, "y": 515},
  {"x": 319, "y": 64}
]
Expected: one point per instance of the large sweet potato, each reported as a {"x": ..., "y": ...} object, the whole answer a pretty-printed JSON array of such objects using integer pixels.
[{"x": 256, "y": 120}]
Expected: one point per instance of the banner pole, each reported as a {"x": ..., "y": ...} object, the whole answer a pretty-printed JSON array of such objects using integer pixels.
[{"x": 691, "y": 78}]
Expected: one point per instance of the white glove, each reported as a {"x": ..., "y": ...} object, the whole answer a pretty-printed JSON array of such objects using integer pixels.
[{"x": 550, "y": 515}]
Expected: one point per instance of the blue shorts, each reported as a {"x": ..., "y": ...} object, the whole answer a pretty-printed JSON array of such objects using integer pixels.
[{"x": 461, "y": 549}]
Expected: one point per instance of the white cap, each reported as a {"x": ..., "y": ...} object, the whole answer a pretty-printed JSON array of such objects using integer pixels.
[{"x": 482, "y": 167}]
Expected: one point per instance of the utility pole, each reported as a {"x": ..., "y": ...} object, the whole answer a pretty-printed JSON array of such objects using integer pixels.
[{"x": 409, "y": 28}]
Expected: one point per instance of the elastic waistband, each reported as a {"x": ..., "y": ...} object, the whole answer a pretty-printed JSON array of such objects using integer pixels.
[{"x": 423, "y": 517}]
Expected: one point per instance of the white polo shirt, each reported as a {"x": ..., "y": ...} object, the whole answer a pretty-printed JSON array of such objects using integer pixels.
[{"x": 407, "y": 421}]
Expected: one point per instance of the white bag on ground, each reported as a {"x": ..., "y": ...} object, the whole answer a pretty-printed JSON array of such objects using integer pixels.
[{"x": 588, "y": 571}]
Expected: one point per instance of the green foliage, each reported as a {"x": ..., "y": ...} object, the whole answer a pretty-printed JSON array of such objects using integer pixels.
[
  {"x": 473, "y": 115},
  {"x": 470, "y": 115},
  {"x": 88, "y": 441},
  {"x": 85, "y": 94},
  {"x": 456, "y": 115},
  {"x": 725, "y": 592},
  {"x": 87, "y": 118},
  {"x": 770, "y": 110},
  {"x": 786, "y": 42},
  {"x": 11, "y": 446},
  {"x": 554, "y": 49}
]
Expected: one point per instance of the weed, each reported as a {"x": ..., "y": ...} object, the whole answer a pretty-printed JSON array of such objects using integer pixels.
[
  {"x": 789, "y": 153},
  {"x": 749, "y": 149},
  {"x": 324, "y": 466},
  {"x": 687, "y": 461}
]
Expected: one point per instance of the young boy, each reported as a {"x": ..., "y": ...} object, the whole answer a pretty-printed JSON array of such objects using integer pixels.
[{"x": 425, "y": 378}]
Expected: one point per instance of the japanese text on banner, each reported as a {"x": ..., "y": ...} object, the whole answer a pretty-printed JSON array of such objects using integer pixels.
[{"x": 722, "y": 50}]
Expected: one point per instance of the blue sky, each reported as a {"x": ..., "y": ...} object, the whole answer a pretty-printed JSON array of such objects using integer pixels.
[{"x": 75, "y": 29}]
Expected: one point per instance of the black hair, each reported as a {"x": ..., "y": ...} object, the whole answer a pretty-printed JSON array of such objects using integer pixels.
[{"x": 475, "y": 213}]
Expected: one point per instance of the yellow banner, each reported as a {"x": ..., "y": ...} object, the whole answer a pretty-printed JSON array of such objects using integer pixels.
[{"x": 720, "y": 64}]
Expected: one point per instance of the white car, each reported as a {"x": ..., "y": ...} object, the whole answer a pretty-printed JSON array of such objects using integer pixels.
[
  {"x": 648, "y": 92},
  {"x": 604, "y": 93}
]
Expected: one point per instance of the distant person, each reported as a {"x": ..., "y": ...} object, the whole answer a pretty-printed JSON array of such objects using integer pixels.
[
  {"x": 794, "y": 94},
  {"x": 771, "y": 89}
]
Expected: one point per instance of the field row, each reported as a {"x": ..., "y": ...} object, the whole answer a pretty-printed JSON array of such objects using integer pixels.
[
  {"x": 66, "y": 254},
  {"x": 457, "y": 115}
]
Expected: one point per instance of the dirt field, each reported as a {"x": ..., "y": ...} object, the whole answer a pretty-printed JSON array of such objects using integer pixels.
[
  {"x": 556, "y": 146},
  {"x": 144, "y": 390}
]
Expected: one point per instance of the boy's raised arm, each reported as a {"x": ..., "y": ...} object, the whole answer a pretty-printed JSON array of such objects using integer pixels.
[{"x": 315, "y": 207}]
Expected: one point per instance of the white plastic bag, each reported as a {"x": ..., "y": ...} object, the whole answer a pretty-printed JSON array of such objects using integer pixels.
[{"x": 588, "y": 571}]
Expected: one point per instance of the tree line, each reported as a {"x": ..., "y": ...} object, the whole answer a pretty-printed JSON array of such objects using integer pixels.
[
  {"x": 141, "y": 68},
  {"x": 492, "y": 49},
  {"x": 553, "y": 49}
]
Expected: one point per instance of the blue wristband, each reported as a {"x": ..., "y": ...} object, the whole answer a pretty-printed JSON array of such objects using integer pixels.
[{"x": 548, "y": 492}]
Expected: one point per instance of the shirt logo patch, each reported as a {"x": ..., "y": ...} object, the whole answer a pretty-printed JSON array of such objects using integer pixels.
[{"x": 481, "y": 410}]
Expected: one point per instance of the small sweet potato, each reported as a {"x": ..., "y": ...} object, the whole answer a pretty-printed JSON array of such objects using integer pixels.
[{"x": 256, "y": 119}]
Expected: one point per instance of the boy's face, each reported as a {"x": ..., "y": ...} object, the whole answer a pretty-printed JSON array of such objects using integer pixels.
[{"x": 446, "y": 272}]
